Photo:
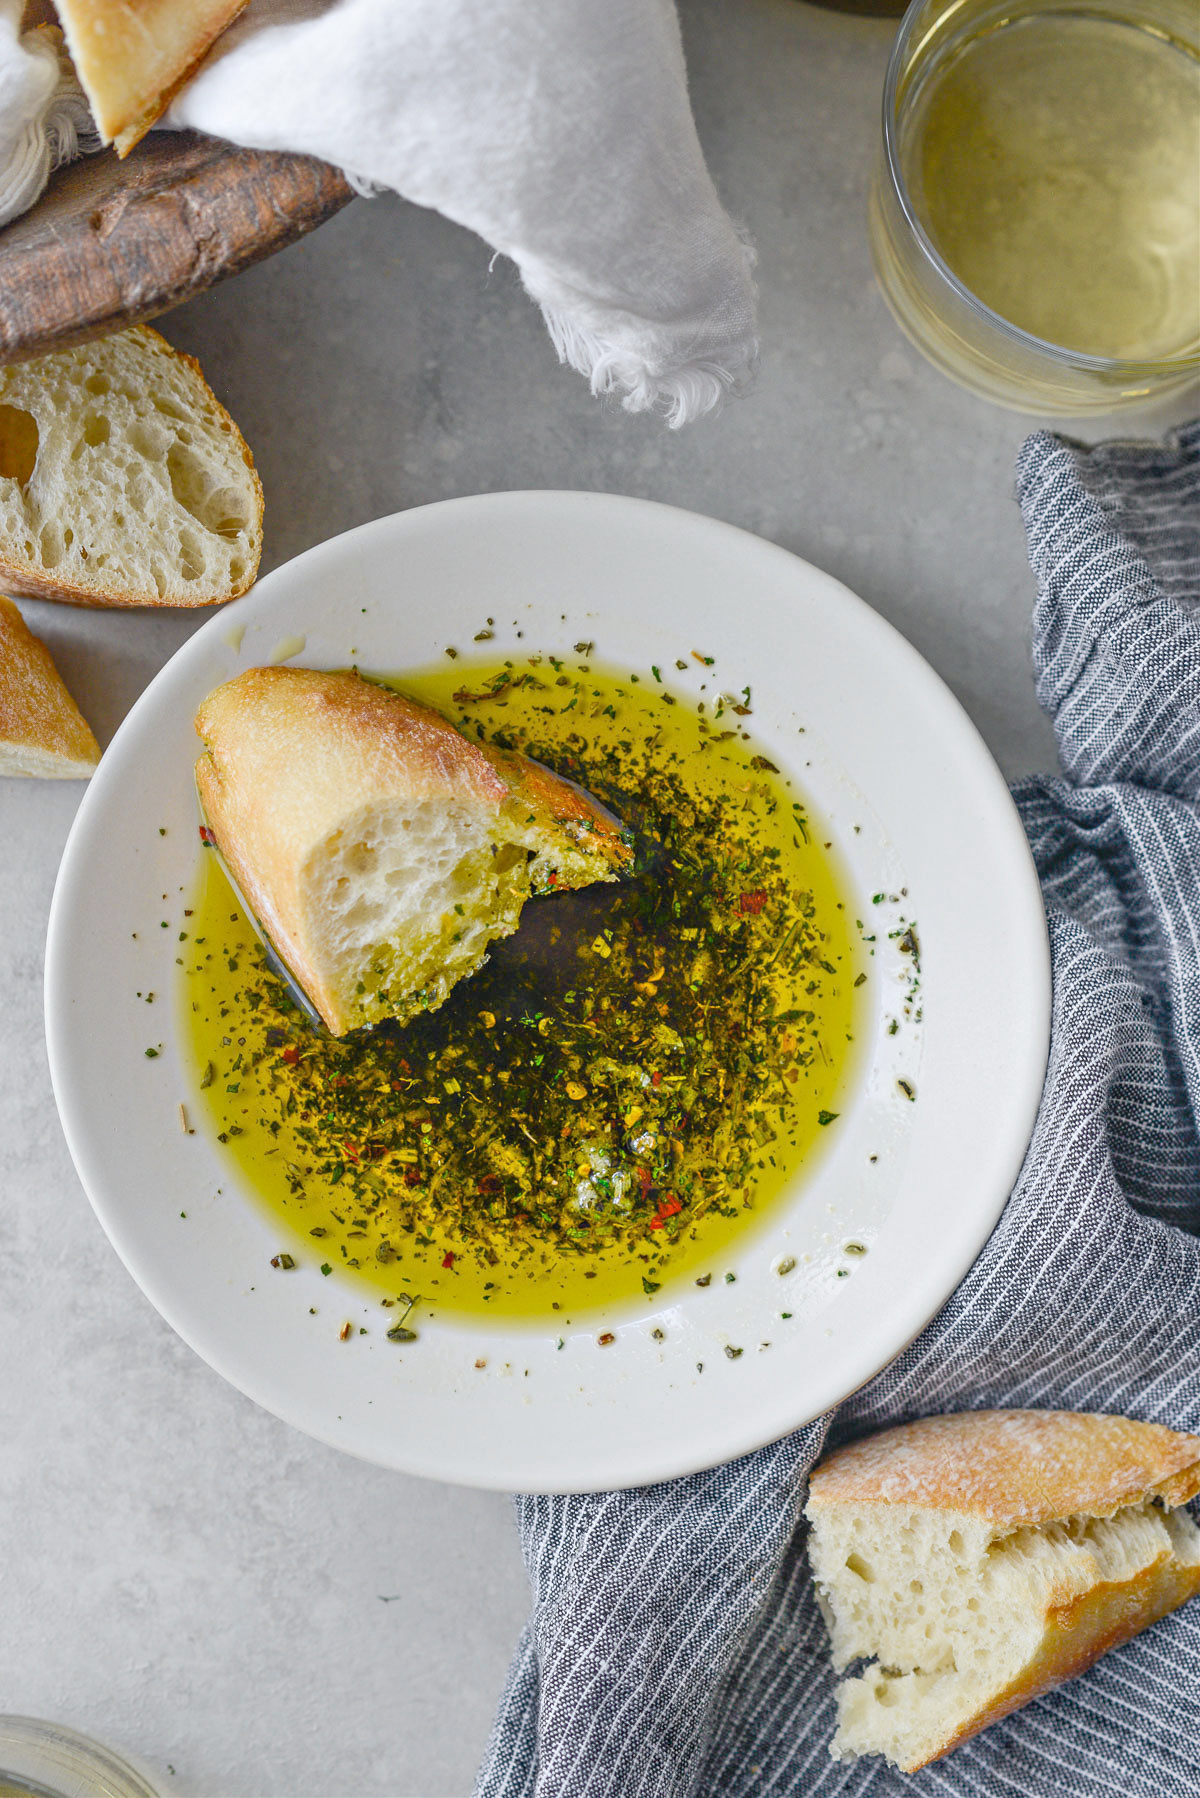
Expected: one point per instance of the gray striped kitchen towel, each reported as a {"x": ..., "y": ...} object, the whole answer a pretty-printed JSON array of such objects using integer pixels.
[{"x": 675, "y": 1649}]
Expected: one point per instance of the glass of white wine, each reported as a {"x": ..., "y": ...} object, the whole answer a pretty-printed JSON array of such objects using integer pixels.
[
  {"x": 48, "y": 1760},
  {"x": 1035, "y": 212}
]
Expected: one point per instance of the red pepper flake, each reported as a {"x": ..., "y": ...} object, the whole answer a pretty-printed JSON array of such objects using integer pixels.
[
  {"x": 412, "y": 1176},
  {"x": 207, "y": 837},
  {"x": 668, "y": 1205},
  {"x": 350, "y": 1150},
  {"x": 292, "y": 1057},
  {"x": 489, "y": 1183},
  {"x": 448, "y": 1258},
  {"x": 752, "y": 903},
  {"x": 656, "y": 1078},
  {"x": 645, "y": 1179},
  {"x": 606, "y": 1339}
]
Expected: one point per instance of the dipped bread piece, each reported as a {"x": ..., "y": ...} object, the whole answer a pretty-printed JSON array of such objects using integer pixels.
[
  {"x": 979, "y": 1559},
  {"x": 123, "y": 480},
  {"x": 381, "y": 850},
  {"x": 42, "y": 731},
  {"x": 133, "y": 56}
]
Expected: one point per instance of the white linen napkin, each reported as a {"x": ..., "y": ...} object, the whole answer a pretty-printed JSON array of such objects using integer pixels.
[
  {"x": 559, "y": 130},
  {"x": 44, "y": 118}
]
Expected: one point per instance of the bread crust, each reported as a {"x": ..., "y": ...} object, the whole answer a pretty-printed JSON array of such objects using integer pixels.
[
  {"x": 133, "y": 56},
  {"x": 38, "y": 717},
  {"x": 290, "y": 753},
  {"x": 27, "y": 581},
  {"x": 1010, "y": 1468},
  {"x": 24, "y": 582}
]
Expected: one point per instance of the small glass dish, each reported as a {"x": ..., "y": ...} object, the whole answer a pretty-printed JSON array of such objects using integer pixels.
[
  {"x": 961, "y": 334},
  {"x": 48, "y": 1760}
]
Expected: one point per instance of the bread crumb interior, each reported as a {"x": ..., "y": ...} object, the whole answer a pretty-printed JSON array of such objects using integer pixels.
[
  {"x": 120, "y": 474},
  {"x": 403, "y": 900},
  {"x": 948, "y": 1612}
]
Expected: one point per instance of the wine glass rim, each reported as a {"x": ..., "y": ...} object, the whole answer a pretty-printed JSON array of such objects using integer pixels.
[{"x": 1119, "y": 366}]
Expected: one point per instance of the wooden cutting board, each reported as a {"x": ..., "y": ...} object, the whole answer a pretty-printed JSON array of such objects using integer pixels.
[{"x": 113, "y": 242}]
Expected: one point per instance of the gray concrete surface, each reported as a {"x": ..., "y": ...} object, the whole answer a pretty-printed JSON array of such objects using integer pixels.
[{"x": 254, "y": 1614}]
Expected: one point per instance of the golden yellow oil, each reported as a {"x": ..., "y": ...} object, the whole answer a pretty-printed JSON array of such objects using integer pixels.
[
  {"x": 275, "y": 1091},
  {"x": 1054, "y": 160}
]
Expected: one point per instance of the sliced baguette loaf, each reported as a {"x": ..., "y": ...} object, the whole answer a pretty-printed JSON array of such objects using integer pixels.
[
  {"x": 123, "y": 481},
  {"x": 977, "y": 1560},
  {"x": 133, "y": 56},
  {"x": 381, "y": 850},
  {"x": 41, "y": 729}
]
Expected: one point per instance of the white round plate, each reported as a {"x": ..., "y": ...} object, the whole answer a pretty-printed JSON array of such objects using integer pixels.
[{"x": 921, "y": 816}]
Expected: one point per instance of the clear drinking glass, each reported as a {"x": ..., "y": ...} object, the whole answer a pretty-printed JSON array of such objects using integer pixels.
[
  {"x": 48, "y": 1760},
  {"x": 950, "y": 47}
]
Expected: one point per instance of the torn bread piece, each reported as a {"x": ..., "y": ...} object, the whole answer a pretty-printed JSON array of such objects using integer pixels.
[
  {"x": 42, "y": 731},
  {"x": 123, "y": 480},
  {"x": 133, "y": 56},
  {"x": 380, "y": 850},
  {"x": 977, "y": 1560}
]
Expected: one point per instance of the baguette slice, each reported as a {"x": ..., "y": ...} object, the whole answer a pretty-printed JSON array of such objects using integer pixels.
[
  {"x": 380, "y": 850},
  {"x": 133, "y": 56},
  {"x": 980, "y": 1559},
  {"x": 41, "y": 729},
  {"x": 123, "y": 481}
]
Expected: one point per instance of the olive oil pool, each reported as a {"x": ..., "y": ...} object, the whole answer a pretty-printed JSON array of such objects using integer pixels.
[{"x": 626, "y": 1084}]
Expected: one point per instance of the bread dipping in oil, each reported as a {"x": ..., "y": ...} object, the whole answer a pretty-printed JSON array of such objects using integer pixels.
[{"x": 631, "y": 1076}]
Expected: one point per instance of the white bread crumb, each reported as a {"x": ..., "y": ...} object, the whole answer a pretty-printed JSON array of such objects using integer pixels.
[{"x": 140, "y": 489}]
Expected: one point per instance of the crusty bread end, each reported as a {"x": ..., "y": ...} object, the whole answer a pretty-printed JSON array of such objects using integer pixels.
[
  {"x": 41, "y": 729},
  {"x": 133, "y": 56},
  {"x": 380, "y": 849},
  {"x": 978, "y": 1560},
  {"x": 123, "y": 480}
]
